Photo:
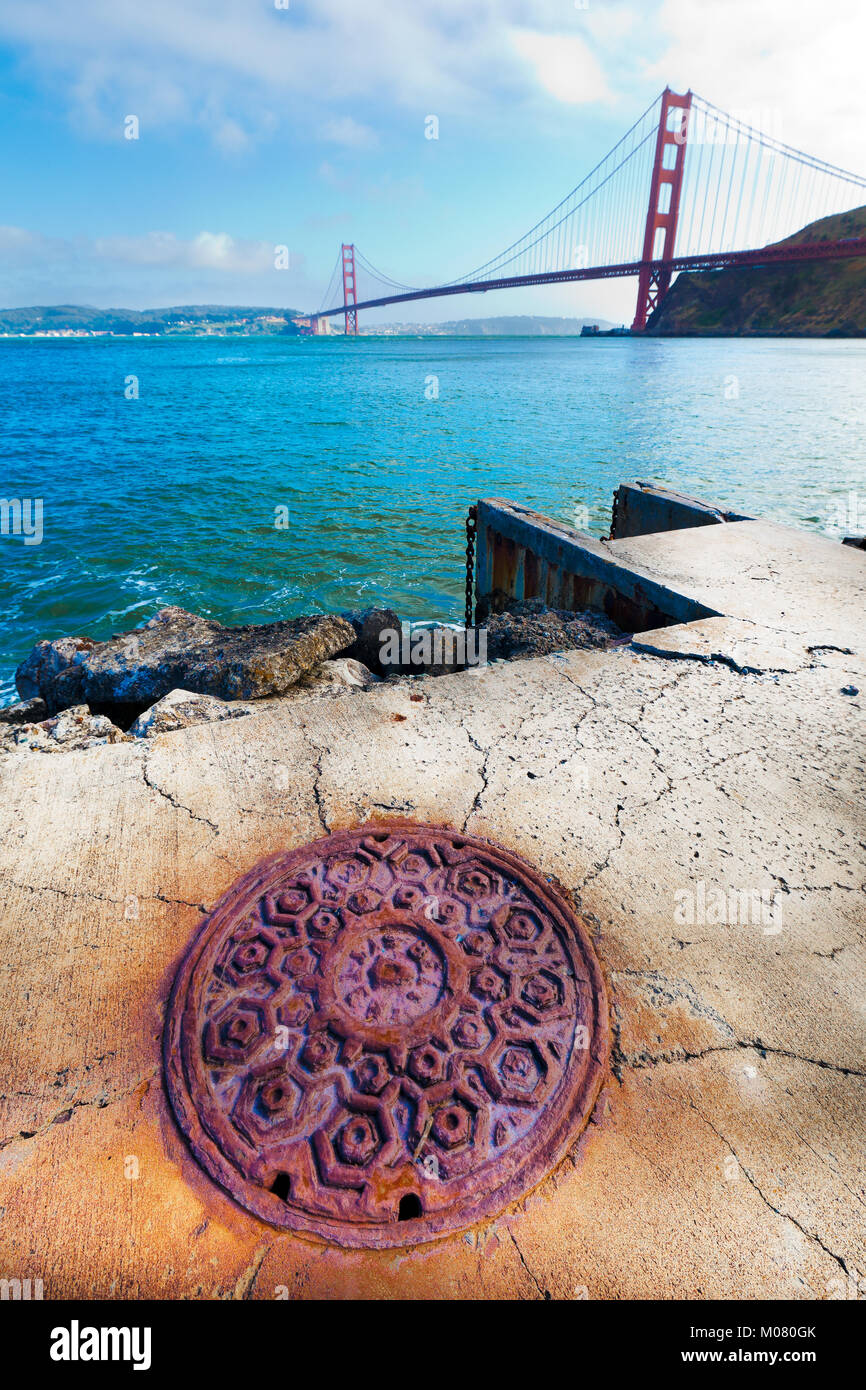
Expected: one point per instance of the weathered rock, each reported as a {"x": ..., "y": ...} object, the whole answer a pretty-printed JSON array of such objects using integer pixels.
[
  {"x": 531, "y": 629},
  {"x": 48, "y": 661},
  {"x": 175, "y": 650},
  {"x": 24, "y": 712},
  {"x": 369, "y": 626},
  {"x": 335, "y": 678},
  {"x": 179, "y": 709},
  {"x": 72, "y": 729}
]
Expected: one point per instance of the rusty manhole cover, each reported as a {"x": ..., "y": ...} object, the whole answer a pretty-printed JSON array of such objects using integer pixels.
[{"x": 387, "y": 1035}]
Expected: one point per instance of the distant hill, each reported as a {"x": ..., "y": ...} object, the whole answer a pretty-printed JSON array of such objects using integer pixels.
[
  {"x": 512, "y": 325},
  {"x": 822, "y": 299},
  {"x": 59, "y": 318},
  {"x": 231, "y": 318}
]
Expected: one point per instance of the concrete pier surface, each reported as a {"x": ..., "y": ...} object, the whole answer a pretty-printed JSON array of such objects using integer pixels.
[{"x": 718, "y": 760}]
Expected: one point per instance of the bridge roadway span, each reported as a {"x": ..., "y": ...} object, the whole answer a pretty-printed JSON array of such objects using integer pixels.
[{"x": 721, "y": 260}]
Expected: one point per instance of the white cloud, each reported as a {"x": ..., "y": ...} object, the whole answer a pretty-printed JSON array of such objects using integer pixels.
[
  {"x": 351, "y": 133},
  {"x": 19, "y": 246},
  {"x": 206, "y": 251},
  {"x": 563, "y": 65},
  {"x": 611, "y": 23},
  {"x": 212, "y": 251},
  {"x": 230, "y": 136},
  {"x": 239, "y": 62},
  {"x": 237, "y": 68},
  {"x": 800, "y": 61},
  {"x": 144, "y": 271}
]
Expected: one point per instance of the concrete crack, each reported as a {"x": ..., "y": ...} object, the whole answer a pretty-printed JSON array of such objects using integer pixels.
[
  {"x": 542, "y": 1292},
  {"x": 640, "y": 1061},
  {"x": 317, "y": 793},
  {"x": 176, "y": 902},
  {"x": 73, "y": 893},
  {"x": 246, "y": 1280},
  {"x": 482, "y": 772},
  {"x": 173, "y": 801},
  {"x": 604, "y": 864},
  {"x": 487, "y": 755},
  {"x": 101, "y": 1102},
  {"x": 715, "y": 658},
  {"x": 751, "y": 1179}
]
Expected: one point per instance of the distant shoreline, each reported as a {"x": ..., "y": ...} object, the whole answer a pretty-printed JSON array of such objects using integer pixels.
[
  {"x": 274, "y": 337},
  {"x": 246, "y": 321},
  {"x": 831, "y": 336}
]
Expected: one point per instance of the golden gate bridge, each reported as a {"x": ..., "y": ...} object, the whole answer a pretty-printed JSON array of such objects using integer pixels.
[{"x": 716, "y": 193}]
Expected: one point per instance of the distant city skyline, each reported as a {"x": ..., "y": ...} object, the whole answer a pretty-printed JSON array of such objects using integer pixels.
[{"x": 159, "y": 155}]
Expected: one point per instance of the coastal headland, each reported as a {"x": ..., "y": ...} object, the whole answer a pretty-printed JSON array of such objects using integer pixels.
[{"x": 816, "y": 300}]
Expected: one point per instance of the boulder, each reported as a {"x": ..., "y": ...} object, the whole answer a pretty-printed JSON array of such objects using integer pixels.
[
  {"x": 47, "y": 663},
  {"x": 531, "y": 629},
  {"x": 24, "y": 712},
  {"x": 179, "y": 709},
  {"x": 368, "y": 627},
  {"x": 175, "y": 650},
  {"x": 72, "y": 729}
]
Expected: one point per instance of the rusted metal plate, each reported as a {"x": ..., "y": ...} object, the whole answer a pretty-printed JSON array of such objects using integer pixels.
[{"x": 386, "y": 1036}]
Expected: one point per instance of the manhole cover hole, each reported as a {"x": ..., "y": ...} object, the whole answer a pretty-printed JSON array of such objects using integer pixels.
[{"x": 387, "y": 1035}]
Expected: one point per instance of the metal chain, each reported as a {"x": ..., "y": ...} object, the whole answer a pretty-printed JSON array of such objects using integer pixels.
[
  {"x": 613, "y": 511},
  {"x": 471, "y": 529}
]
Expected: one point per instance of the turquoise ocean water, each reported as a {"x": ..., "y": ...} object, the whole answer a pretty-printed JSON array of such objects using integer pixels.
[{"x": 377, "y": 447}]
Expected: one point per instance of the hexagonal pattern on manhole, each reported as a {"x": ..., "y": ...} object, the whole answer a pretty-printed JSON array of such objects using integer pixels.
[{"x": 387, "y": 1035}]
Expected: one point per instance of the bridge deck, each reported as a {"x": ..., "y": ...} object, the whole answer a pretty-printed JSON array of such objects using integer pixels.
[{"x": 767, "y": 255}]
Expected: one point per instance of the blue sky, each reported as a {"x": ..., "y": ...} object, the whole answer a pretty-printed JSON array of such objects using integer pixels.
[{"x": 304, "y": 126}]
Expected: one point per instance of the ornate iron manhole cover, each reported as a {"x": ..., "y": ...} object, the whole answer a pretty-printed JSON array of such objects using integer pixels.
[{"x": 387, "y": 1035}]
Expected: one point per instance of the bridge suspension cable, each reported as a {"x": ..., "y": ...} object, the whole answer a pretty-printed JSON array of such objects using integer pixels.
[
  {"x": 332, "y": 284},
  {"x": 378, "y": 275}
]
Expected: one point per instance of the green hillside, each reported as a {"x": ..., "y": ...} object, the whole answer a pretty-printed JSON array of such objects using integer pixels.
[
  {"x": 58, "y": 318},
  {"x": 818, "y": 300}
]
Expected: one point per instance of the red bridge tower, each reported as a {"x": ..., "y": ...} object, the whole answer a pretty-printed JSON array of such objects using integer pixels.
[
  {"x": 664, "y": 206},
  {"x": 350, "y": 297}
]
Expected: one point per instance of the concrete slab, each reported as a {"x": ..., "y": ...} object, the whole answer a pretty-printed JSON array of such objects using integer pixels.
[
  {"x": 641, "y": 508},
  {"x": 758, "y": 571},
  {"x": 726, "y": 1153}
]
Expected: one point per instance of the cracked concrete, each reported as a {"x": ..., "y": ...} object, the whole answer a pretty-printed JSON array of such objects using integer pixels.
[{"x": 658, "y": 782}]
